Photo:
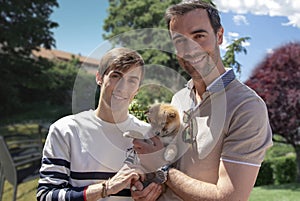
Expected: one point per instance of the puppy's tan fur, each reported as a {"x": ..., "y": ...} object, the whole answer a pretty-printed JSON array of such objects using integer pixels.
[{"x": 165, "y": 121}]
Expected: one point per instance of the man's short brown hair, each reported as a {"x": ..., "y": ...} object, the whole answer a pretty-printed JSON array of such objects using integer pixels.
[
  {"x": 120, "y": 59},
  {"x": 190, "y": 5}
]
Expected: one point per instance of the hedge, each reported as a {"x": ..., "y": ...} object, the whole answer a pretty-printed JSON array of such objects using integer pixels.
[
  {"x": 265, "y": 175},
  {"x": 285, "y": 169},
  {"x": 279, "y": 170}
]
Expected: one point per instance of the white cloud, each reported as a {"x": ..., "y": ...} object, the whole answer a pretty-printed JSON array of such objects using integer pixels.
[
  {"x": 240, "y": 20},
  {"x": 270, "y": 51},
  {"x": 286, "y": 8},
  {"x": 294, "y": 20},
  {"x": 233, "y": 35},
  {"x": 246, "y": 44}
]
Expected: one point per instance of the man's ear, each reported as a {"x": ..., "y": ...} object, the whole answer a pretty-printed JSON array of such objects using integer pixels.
[
  {"x": 98, "y": 79},
  {"x": 220, "y": 34}
]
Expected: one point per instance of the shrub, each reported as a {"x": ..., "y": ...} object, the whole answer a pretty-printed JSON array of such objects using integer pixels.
[
  {"x": 285, "y": 169},
  {"x": 136, "y": 109},
  {"x": 265, "y": 175},
  {"x": 277, "y": 170}
]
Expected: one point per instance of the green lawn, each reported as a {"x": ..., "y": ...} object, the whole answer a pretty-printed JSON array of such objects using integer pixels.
[
  {"x": 26, "y": 191},
  {"x": 284, "y": 192}
]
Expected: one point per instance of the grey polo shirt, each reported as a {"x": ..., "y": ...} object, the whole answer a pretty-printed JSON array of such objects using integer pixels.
[{"x": 232, "y": 121}]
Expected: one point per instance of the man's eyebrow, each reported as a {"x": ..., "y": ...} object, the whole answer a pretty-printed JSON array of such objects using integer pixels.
[
  {"x": 199, "y": 31},
  {"x": 117, "y": 72},
  {"x": 122, "y": 74},
  {"x": 177, "y": 35}
]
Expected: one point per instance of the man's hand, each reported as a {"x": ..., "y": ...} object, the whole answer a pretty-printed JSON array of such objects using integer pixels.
[
  {"x": 124, "y": 177},
  {"x": 144, "y": 147},
  {"x": 150, "y": 193},
  {"x": 151, "y": 155}
]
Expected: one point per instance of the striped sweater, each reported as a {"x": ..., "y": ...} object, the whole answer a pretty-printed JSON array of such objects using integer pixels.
[{"x": 81, "y": 150}]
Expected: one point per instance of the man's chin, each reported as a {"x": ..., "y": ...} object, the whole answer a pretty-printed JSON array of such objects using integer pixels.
[
  {"x": 194, "y": 73},
  {"x": 202, "y": 72},
  {"x": 119, "y": 105}
]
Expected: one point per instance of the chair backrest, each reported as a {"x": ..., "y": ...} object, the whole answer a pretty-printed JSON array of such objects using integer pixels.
[{"x": 7, "y": 163}]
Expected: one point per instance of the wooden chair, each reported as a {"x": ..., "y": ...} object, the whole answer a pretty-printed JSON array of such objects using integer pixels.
[
  {"x": 20, "y": 160},
  {"x": 1, "y": 181}
]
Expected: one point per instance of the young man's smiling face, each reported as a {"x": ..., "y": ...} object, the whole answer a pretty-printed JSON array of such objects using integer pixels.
[
  {"x": 118, "y": 88},
  {"x": 196, "y": 43}
]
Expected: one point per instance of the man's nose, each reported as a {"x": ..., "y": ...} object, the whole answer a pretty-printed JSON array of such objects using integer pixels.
[
  {"x": 189, "y": 48},
  {"x": 122, "y": 84}
]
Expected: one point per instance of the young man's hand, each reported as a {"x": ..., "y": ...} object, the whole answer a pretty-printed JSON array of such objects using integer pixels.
[{"x": 124, "y": 177}]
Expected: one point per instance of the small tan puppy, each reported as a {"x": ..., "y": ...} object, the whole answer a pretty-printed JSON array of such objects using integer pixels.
[{"x": 165, "y": 123}]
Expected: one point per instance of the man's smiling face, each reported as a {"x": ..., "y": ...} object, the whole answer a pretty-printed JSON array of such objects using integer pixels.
[{"x": 196, "y": 43}]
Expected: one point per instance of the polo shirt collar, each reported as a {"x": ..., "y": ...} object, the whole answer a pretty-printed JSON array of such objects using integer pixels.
[{"x": 218, "y": 84}]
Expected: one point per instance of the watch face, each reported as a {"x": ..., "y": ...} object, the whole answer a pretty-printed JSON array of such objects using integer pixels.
[{"x": 161, "y": 176}]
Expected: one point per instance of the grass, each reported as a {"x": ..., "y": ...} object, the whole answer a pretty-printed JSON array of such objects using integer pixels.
[
  {"x": 284, "y": 192},
  {"x": 26, "y": 191}
]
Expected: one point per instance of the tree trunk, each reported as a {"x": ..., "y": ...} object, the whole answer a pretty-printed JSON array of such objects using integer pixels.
[{"x": 297, "y": 149}]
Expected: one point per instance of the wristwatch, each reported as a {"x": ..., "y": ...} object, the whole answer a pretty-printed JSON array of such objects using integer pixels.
[{"x": 161, "y": 174}]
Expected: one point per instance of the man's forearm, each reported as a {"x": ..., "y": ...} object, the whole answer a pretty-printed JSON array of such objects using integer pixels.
[{"x": 191, "y": 189}]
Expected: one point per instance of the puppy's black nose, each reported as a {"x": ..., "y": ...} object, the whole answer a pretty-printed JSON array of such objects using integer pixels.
[{"x": 157, "y": 133}]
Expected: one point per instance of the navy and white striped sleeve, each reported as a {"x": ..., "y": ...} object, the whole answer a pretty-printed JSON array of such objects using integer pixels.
[{"x": 55, "y": 171}]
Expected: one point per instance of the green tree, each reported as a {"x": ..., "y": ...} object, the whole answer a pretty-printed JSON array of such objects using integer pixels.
[
  {"x": 139, "y": 24},
  {"x": 24, "y": 26},
  {"x": 127, "y": 15},
  {"x": 277, "y": 79},
  {"x": 61, "y": 78},
  {"x": 235, "y": 47}
]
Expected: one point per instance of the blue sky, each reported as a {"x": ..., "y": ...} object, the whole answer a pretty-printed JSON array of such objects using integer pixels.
[{"x": 269, "y": 23}]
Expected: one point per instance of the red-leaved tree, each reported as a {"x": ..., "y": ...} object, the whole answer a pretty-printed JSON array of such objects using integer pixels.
[{"x": 277, "y": 81}]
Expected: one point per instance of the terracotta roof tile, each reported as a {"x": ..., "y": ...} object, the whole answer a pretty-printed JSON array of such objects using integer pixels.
[{"x": 63, "y": 56}]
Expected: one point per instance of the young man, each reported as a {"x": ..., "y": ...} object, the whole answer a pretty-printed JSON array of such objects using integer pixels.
[
  {"x": 84, "y": 153},
  {"x": 227, "y": 123}
]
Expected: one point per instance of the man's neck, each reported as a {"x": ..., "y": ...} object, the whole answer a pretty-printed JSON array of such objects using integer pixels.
[
  {"x": 109, "y": 116},
  {"x": 201, "y": 84}
]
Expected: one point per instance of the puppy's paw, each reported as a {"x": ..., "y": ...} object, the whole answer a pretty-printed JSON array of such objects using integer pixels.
[
  {"x": 133, "y": 134},
  {"x": 170, "y": 152}
]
